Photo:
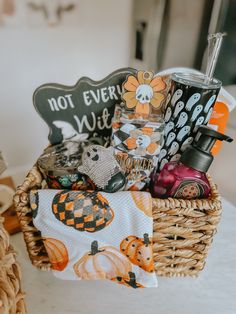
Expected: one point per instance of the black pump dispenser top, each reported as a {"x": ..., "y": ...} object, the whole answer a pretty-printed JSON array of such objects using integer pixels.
[{"x": 198, "y": 156}]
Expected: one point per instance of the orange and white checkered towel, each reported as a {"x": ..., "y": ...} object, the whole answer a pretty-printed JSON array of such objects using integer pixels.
[{"x": 96, "y": 235}]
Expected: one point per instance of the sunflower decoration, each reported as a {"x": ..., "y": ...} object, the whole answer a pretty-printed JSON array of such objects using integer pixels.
[
  {"x": 144, "y": 141},
  {"x": 143, "y": 92}
]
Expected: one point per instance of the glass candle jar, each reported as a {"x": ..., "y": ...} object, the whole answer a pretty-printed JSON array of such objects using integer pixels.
[{"x": 59, "y": 164}]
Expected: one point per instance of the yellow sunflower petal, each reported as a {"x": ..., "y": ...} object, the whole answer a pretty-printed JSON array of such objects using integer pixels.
[
  {"x": 130, "y": 100},
  {"x": 158, "y": 84},
  {"x": 131, "y": 84},
  {"x": 157, "y": 100},
  {"x": 140, "y": 77}
]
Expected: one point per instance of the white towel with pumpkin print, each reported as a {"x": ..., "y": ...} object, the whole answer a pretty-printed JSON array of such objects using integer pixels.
[{"x": 95, "y": 235}]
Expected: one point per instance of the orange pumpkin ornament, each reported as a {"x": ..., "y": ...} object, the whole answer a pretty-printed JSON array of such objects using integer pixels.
[
  {"x": 139, "y": 251},
  {"x": 104, "y": 263},
  {"x": 129, "y": 281},
  {"x": 57, "y": 252},
  {"x": 143, "y": 201}
]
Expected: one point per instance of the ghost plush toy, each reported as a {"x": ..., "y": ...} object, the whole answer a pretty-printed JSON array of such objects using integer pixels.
[{"x": 101, "y": 166}]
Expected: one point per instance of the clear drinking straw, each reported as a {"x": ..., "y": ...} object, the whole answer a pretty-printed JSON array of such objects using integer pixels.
[{"x": 214, "y": 45}]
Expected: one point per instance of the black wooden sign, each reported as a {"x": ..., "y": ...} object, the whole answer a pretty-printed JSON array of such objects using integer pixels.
[{"x": 81, "y": 111}]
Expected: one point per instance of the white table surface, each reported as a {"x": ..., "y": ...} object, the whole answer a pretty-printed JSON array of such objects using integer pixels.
[{"x": 213, "y": 292}]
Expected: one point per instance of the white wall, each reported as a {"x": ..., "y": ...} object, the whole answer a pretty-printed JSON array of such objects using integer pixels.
[
  {"x": 182, "y": 38},
  {"x": 30, "y": 57}
]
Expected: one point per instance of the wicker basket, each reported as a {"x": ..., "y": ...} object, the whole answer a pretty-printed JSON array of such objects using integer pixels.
[
  {"x": 11, "y": 297},
  {"x": 183, "y": 230}
]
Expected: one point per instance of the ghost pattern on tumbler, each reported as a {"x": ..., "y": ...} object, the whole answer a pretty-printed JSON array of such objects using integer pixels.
[{"x": 187, "y": 108}]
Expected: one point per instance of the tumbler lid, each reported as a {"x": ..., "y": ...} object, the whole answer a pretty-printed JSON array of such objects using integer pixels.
[{"x": 196, "y": 80}]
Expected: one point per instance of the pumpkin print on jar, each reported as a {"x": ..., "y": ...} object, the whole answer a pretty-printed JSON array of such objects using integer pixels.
[
  {"x": 139, "y": 251},
  {"x": 129, "y": 281},
  {"x": 102, "y": 263},
  {"x": 82, "y": 210},
  {"x": 57, "y": 253}
]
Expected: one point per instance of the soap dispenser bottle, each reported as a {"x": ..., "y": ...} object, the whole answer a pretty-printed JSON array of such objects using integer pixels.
[{"x": 187, "y": 178}]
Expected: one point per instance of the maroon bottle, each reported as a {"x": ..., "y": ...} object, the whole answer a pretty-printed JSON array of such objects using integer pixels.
[{"x": 187, "y": 178}]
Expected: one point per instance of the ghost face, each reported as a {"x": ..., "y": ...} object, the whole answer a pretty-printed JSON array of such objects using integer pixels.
[
  {"x": 179, "y": 106},
  {"x": 169, "y": 126},
  {"x": 143, "y": 141},
  {"x": 178, "y": 93},
  {"x": 162, "y": 154},
  {"x": 200, "y": 120},
  {"x": 183, "y": 132},
  {"x": 209, "y": 103},
  {"x": 170, "y": 138},
  {"x": 196, "y": 112},
  {"x": 92, "y": 154},
  {"x": 192, "y": 101},
  {"x": 182, "y": 120},
  {"x": 174, "y": 148}
]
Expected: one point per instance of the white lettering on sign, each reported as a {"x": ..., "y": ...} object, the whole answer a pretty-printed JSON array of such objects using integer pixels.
[
  {"x": 97, "y": 122},
  {"x": 86, "y": 98},
  {"x": 53, "y": 104},
  {"x": 61, "y": 103},
  {"x": 104, "y": 94}
]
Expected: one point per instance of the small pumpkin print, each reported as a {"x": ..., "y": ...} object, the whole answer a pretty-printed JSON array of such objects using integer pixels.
[
  {"x": 82, "y": 210},
  {"x": 102, "y": 263},
  {"x": 129, "y": 281},
  {"x": 143, "y": 201},
  {"x": 57, "y": 253},
  {"x": 139, "y": 251}
]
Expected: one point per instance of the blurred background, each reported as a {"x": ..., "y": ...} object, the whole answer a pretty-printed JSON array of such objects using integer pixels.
[{"x": 61, "y": 40}]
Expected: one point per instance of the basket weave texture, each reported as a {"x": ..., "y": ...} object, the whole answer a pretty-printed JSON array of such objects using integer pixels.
[
  {"x": 183, "y": 229},
  {"x": 11, "y": 297}
]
